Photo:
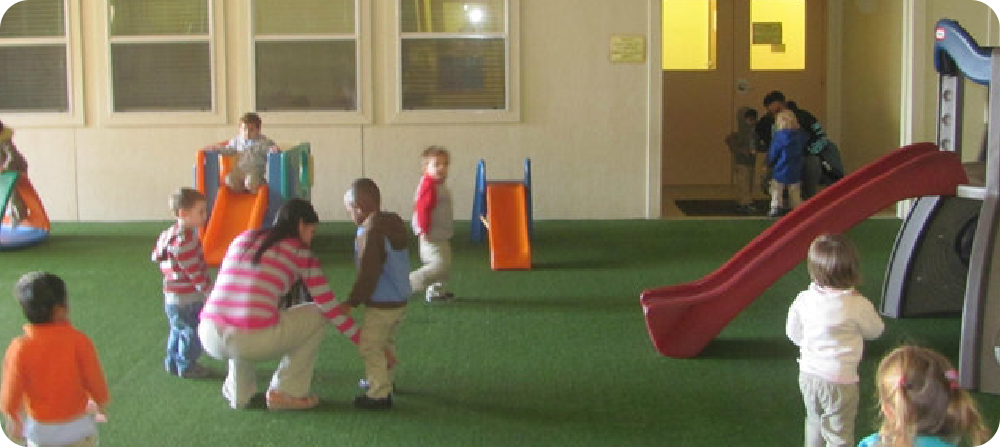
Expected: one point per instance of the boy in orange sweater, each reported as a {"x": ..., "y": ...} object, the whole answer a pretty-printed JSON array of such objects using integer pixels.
[{"x": 51, "y": 374}]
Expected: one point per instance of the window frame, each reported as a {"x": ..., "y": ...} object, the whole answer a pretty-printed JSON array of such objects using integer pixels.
[
  {"x": 74, "y": 115},
  {"x": 511, "y": 36},
  {"x": 217, "y": 57},
  {"x": 363, "y": 72}
]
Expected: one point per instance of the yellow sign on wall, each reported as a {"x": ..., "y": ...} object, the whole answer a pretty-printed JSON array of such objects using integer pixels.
[{"x": 628, "y": 48}]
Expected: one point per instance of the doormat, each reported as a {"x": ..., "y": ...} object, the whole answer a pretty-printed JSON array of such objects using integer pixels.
[{"x": 721, "y": 207}]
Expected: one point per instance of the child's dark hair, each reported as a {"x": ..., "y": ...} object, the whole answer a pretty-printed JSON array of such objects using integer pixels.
[
  {"x": 833, "y": 262},
  {"x": 251, "y": 118},
  {"x": 286, "y": 224},
  {"x": 365, "y": 193},
  {"x": 184, "y": 199},
  {"x": 39, "y": 293},
  {"x": 750, "y": 112},
  {"x": 918, "y": 394}
]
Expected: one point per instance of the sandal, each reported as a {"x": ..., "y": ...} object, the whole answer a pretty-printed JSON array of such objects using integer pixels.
[{"x": 276, "y": 400}]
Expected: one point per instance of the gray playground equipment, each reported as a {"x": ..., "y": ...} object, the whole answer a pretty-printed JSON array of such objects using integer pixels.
[{"x": 946, "y": 259}]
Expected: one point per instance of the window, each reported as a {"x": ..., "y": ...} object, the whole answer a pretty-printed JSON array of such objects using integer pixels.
[
  {"x": 37, "y": 79},
  {"x": 162, "y": 56},
  {"x": 689, "y": 34},
  {"x": 456, "y": 61},
  {"x": 306, "y": 55},
  {"x": 778, "y": 35}
]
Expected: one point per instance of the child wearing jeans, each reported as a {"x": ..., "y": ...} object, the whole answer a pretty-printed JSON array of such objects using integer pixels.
[
  {"x": 829, "y": 322},
  {"x": 785, "y": 157},
  {"x": 433, "y": 223},
  {"x": 251, "y": 148},
  {"x": 185, "y": 282},
  {"x": 921, "y": 404},
  {"x": 382, "y": 285},
  {"x": 51, "y": 374}
]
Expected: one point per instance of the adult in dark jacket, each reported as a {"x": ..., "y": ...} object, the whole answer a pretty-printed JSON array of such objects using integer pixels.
[{"x": 822, "y": 159}]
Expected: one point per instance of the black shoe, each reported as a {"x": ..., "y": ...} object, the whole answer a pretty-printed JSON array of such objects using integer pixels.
[{"x": 369, "y": 403}]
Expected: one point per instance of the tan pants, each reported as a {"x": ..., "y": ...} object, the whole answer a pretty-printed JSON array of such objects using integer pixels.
[
  {"x": 778, "y": 195},
  {"x": 240, "y": 181},
  {"x": 743, "y": 180},
  {"x": 436, "y": 256},
  {"x": 295, "y": 340},
  {"x": 378, "y": 335}
]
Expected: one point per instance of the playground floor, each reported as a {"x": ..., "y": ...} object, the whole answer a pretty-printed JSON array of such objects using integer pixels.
[{"x": 554, "y": 356}]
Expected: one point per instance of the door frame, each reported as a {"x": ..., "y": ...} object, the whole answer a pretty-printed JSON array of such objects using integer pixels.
[{"x": 654, "y": 97}]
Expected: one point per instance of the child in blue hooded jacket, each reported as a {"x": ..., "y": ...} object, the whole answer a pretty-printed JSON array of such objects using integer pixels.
[{"x": 785, "y": 157}]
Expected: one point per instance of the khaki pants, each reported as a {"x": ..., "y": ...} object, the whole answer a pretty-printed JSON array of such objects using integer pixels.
[
  {"x": 240, "y": 181},
  {"x": 830, "y": 411},
  {"x": 743, "y": 180},
  {"x": 778, "y": 195},
  {"x": 295, "y": 340},
  {"x": 378, "y": 335},
  {"x": 436, "y": 256}
]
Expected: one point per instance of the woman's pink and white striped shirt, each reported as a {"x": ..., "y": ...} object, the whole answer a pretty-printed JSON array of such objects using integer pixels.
[{"x": 247, "y": 296}]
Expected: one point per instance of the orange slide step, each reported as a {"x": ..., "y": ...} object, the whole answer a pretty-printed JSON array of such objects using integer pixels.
[{"x": 507, "y": 220}]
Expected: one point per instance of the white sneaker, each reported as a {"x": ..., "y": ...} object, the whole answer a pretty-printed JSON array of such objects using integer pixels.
[{"x": 436, "y": 293}]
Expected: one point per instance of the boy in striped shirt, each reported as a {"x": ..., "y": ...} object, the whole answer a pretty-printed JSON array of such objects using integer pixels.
[{"x": 185, "y": 282}]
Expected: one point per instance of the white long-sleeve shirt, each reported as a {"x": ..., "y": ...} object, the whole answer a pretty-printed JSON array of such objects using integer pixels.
[{"x": 829, "y": 326}]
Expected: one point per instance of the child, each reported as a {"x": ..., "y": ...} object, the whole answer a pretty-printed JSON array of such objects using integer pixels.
[
  {"x": 185, "y": 282},
  {"x": 12, "y": 160},
  {"x": 382, "y": 285},
  {"x": 921, "y": 404},
  {"x": 741, "y": 143},
  {"x": 51, "y": 373},
  {"x": 434, "y": 226},
  {"x": 785, "y": 157},
  {"x": 829, "y": 323},
  {"x": 251, "y": 148}
]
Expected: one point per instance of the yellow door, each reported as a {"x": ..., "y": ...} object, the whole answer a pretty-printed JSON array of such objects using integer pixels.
[{"x": 720, "y": 55}]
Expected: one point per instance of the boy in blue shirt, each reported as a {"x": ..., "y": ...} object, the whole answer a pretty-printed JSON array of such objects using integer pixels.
[{"x": 382, "y": 285}]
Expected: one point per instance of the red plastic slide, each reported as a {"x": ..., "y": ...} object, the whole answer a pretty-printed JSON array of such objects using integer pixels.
[{"x": 683, "y": 319}]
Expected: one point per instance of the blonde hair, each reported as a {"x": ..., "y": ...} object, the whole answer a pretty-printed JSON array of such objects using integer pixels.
[
  {"x": 833, "y": 262},
  {"x": 918, "y": 394},
  {"x": 184, "y": 199},
  {"x": 785, "y": 119},
  {"x": 433, "y": 152}
]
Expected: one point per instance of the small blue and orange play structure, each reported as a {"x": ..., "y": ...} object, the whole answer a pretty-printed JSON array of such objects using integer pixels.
[
  {"x": 289, "y": 175},
  {"x": 504, "y": 208},
  {"x": 33, "y": 227}
]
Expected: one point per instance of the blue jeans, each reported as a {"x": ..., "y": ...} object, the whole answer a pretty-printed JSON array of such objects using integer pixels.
[{"x": 183, "y": 345}]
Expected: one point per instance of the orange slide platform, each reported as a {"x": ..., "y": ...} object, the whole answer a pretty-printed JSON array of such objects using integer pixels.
[
  {"x": 682, "y": 319},
  {"x": 507, "y": 220}
]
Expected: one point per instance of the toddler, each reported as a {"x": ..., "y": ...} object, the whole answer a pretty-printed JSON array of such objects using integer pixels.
[
  {"x": 741, "y": 144},
  {"x": 251, "y": 148},
  {"x": 829, "y": 322},
  {"x": 51, "y": 375},
  {"x": 433, "y": 224},
  {"x": 12, "y": 160},
  {"x": 185, "y": 282},
  {"x": 921, "y": 403},
  {"x": 785, "y": 158},
  {"x": 382, "y": 285}
]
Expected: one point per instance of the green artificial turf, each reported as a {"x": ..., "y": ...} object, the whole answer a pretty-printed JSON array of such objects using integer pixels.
[{"x": 558, "y": 355}]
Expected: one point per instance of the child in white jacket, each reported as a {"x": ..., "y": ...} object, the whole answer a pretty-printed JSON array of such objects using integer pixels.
[{"x": 829, "y": 322}]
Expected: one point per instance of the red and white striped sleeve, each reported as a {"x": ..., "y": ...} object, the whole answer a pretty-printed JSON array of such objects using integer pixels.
[
  {"x": 191, "y": 260},
  {"x": 318, "y": 287}
]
